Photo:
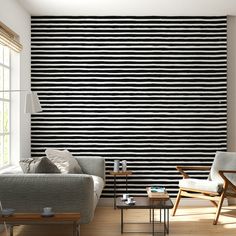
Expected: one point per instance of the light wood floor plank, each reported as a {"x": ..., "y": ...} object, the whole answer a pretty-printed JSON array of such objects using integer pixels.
[{"x": 188, "y": 221}]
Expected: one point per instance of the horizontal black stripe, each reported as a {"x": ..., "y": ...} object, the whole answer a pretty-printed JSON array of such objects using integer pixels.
[
  {"x": 88, "y": 114},
  {"x": 125, "y": 63},
  {"x": 183, "y": 38},
  {"x": 118, "y": 48},
  {"x": 43, "y": 27},
  {"x": 127, "y": 54},
  {"x": 40, "y": 18},
  {"x": 131, "y": 20},
  {"x": 135, "y": 34},
  {"x": 74, "y": 31},
  {"x": 138, "y": 75},
  {"x": 91, "y": 141},
  {"x": 118, "y": 44}
]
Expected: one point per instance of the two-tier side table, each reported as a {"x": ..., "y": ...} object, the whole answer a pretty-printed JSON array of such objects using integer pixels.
[{"x": 115, "y": 175}]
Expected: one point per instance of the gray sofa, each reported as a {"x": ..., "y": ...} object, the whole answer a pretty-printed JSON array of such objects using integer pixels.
[{"x": 63, "y": 192}]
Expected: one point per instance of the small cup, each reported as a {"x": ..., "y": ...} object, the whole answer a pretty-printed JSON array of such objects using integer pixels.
[
  {"x": 47, "y": 210},
  {"x": 116, "y": 166},
  {"x": 129, "y": 200},
  {"x": 125, "y": 196},
  {"x": 124, "y": 165},
  {"x": 8, "y": 211}
]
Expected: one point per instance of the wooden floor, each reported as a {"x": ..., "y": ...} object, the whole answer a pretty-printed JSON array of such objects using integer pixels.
[{"x": 188, "y": 221}]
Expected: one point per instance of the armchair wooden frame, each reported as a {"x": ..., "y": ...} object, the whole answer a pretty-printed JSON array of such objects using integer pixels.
[{"x": 216, "y": 199}]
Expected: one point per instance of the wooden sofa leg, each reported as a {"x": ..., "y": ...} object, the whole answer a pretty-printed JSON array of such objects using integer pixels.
[
  {"x": 176, "y": 202},
  {"x": 218, "y": 209}
]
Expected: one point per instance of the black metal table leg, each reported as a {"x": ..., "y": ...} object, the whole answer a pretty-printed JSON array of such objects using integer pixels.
[
  {"x": 126, "y": 184},
  {"x": 74, "y": 228},
  {"x": 164, "y": 223},
  {"x": 160, "y": 215},
  {"x": 122, "y": 222},
  {"x": 150, "y": 215},
  {"x": 114, "y": 191},
  {"x": 168, "y": 221},
  {"x": 11, "y": 230},
  {"x": 153, "y": 222}
]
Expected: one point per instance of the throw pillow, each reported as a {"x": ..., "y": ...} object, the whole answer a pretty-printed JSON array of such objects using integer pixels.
[
  {"x": 38, "y": 165},
  {"x": 64, "y": 161}
]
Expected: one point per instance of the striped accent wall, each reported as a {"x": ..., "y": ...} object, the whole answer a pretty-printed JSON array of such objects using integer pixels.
[{"x": 150, "y": 90}]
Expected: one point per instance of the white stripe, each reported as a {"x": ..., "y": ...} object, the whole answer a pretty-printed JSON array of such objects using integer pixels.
[
  {"x": 126, "y": 131},
  {"x": 71, "y": 43},
  {"x": 88, "y": 135},
  {"x": 123, "y": 26},
  {"x": 117, "y": 145},
  {"x": 127, "y": 55},
  {"x": 156, "y": 47},
  {"x": 54, "y": 120},
  {"x": 124, "y": 93},
  {"x": 127, "y": 77},
  {"x": 131, "y": 106},
  {"x": 105, "y": 118},
  {"x": 99, "y": 21},
  {"x": 133, "y": 113},
  {"x": 135, "y": 33},
  {"x": 127, "y": 60},
  {"x": 156, "y": 83}
]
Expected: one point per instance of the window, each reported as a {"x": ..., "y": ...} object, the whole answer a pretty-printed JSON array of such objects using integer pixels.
[
  {"x": 10, "y": 47},
  {"x": 5, "y": 103}
]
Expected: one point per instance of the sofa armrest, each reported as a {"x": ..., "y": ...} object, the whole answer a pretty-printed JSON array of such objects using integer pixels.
[
  {"x": 62, "y": 192},
  {"x": 92, "y": 165}
]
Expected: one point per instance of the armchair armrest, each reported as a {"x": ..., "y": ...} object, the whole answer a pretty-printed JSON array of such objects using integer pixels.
[
  {"x": 226, "y": 180},
  {"x": 228, "y": 171},
  {"x": 185, "y": 175}
]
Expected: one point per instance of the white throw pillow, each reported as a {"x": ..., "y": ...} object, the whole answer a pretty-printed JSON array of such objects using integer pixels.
[{"x": 64, "y": 161}]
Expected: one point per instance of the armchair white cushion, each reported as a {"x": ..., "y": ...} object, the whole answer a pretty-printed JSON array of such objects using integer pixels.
[{"x": 203, "y": 185}]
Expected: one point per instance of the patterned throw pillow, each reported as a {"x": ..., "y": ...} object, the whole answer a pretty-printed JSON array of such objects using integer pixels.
[
  {"x": 64, "y": 161},
  {"x": 38, "y": 165}
]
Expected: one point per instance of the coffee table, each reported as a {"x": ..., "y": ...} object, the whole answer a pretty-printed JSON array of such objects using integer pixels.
[
  {"x": 146, "y": 203},
  {"x": 34, "y": 218}
]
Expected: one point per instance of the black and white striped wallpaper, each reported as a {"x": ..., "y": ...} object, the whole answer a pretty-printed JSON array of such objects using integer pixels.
[{"x": 151, "y": 90}]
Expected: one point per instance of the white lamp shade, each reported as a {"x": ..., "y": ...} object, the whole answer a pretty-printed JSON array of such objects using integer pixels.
[{"x": 32, "y": 104}]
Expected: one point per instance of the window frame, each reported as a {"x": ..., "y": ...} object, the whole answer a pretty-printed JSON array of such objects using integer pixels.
[{"x": 4, "y": 100}]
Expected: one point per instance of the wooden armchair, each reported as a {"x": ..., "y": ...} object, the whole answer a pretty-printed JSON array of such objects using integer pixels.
[{"x": 220, "y": 184}]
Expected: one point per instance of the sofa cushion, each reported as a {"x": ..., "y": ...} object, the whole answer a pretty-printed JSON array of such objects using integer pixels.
[
  {"x": 64, "y": 161},
  {"x": 98, "y": 187},
  {"x": 38, "y": 165},
  {"x": 203, "y": 185}
]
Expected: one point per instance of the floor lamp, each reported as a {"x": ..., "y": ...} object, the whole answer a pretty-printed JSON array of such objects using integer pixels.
[{"x": 32, "y": 103}]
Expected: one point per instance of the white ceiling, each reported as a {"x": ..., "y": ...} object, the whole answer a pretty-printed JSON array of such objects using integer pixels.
[{"x": 129, "y": 7}]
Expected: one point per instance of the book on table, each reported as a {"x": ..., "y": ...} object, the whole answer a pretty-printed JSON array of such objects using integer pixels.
[{"x": 157, "y": 193}]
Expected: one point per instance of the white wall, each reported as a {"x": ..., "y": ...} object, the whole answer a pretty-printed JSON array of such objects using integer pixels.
[
  {"x": 232, "y": 83},
  {"x": 130, "y": 7},
  {"x": 18, "y": 19}
]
